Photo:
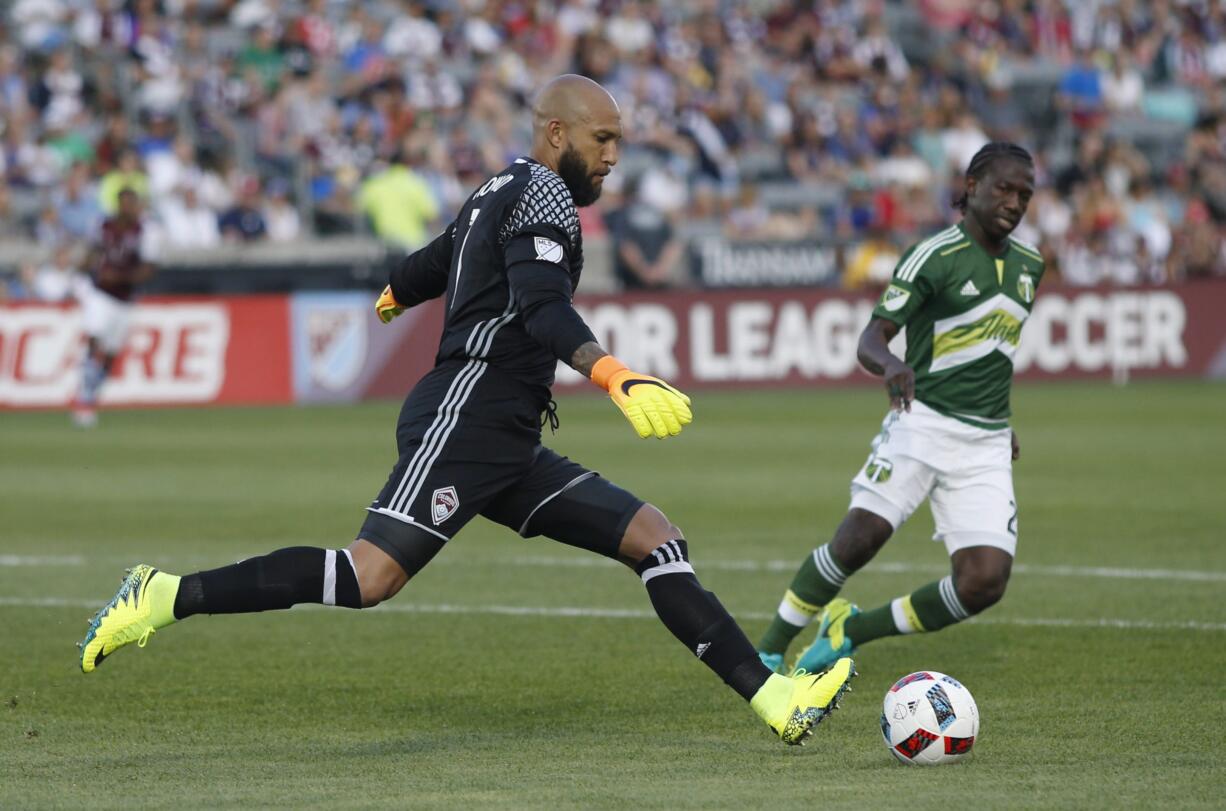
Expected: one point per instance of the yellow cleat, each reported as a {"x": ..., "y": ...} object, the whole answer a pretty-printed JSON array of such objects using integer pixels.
[
  {"x": 813, "y": 698},
  {"x": 140, "y": 607}
]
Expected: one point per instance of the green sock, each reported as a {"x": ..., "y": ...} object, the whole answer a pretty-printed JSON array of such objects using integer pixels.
[
  {"x": 928, "y": 608},
  {"x": 815, "y": 583}
]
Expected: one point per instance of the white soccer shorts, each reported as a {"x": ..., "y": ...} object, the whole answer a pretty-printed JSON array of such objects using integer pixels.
[
  {"x": 105, "y": 319},
  {"x": 965, "y": 472}
]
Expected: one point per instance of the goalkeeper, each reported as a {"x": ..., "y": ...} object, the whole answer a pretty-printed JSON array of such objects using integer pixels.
[{"x": 469, "y": 434}]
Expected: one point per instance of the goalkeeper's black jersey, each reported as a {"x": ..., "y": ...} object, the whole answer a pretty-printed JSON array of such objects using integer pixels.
[{"x": 508, "y": 265}]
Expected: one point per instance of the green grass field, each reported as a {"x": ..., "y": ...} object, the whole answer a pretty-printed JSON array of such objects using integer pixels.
[{"x": 522, "y": 674}]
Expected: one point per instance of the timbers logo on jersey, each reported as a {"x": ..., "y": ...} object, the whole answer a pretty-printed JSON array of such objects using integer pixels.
[{"x": 963, "y": 310}]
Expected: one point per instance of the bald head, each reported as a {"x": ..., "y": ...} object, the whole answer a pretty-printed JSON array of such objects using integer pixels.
[
  {"x": 571, "y": 99},
  {"x": 576, "y": 128}
]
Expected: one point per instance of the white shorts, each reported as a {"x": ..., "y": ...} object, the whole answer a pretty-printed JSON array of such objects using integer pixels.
[
  {"x": 105, "y": 318},
  {"x": 966, "y": 473}
]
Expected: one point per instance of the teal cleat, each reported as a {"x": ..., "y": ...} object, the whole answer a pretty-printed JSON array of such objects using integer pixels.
[
  {"x": 773, "y": 661},
  {"x": 831, "y": 643}
]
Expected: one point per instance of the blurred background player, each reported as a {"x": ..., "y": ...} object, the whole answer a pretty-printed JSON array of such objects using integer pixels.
[
  {"x": 963, "y": 295},
  {"x": 116, "y": 266},
  {"x": 469, "y": 433}
]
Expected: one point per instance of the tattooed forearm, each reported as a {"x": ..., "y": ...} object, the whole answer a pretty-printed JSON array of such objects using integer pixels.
[{"x": 585, "y": 358}]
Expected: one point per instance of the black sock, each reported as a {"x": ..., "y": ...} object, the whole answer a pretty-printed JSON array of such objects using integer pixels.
[
  {"x": 299, "y": 574},
  {"x": 697, "y": 618}
]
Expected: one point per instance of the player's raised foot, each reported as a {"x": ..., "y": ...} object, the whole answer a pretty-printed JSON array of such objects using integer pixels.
[
  {"x": 145, "y": 602},
  {"x": 773, "y": 661},
  {"x": 813, "y": 697},
  {"x": 831, "y": 643}
]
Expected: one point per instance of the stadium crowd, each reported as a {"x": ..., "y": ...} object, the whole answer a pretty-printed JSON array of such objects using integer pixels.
[{"x": 844, "y": 121}]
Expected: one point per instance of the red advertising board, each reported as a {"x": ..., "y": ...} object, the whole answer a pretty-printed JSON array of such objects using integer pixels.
[
  {"x": 327, "y": 347},
  {"x": 179, "y": 351},
  {"x": 770, "y": 338}
]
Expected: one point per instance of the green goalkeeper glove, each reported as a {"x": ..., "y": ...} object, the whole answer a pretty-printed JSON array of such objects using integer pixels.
[
  {"x": 653, "y": 407},
  {"x": 387, "y": 307}
]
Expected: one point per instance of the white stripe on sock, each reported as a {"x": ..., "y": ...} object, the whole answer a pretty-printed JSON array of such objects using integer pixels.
[
  {"x": 329, "y": 577},
  {"x": 668, "y": 568},
  {"x": 950, "y": 596},
  {"x": 793, "y": 615},
  {"x": 354, "y": 569},
  {"x": 900, "y": 617},
  {"x": 835, "y": 569},
  {"x": 826, "y": 568}
]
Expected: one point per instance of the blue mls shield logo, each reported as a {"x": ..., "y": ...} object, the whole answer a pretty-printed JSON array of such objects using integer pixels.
[{"x": 336, "y": 346}]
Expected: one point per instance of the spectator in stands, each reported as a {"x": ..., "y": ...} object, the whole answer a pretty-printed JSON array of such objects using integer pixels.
[
  {"x": 261, "y": 57},
  {"x": 1123, "y": 86},
  {"x": 77, "y": 204},
  {"x": 1080, "y": 95},
  {"x": 399, "y": 203},
  {"x": 721, "y": 95},
  {"x": 173, "y": 169},
  {"x": 244, "y": 221},
  {"x": 646, "y": 248},
  {"x": 185, "y": 222},
  {"x": 58, "y": 278},
  {"x": 280, "y": 214},
  {"x": 127, "y": 174},
  {"x": 11, "y": 225}
]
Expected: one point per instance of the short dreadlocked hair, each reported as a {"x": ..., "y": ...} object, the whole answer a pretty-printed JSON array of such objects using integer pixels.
[{"x": 983, "y": 159}]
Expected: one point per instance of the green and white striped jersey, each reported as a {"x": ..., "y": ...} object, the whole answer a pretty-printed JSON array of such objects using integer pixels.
[{"x": 963, "y": 309}]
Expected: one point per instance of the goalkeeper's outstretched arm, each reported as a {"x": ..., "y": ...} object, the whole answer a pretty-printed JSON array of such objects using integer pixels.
[{"x": 420, "y": 277}]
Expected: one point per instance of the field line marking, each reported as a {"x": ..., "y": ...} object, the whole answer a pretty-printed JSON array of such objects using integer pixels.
[
  {"x": 897, "y": 568},
  {"x": 639, "y": 613},
  {"x": 558, "y": 561},
  {"x": 41, "y": 560}
]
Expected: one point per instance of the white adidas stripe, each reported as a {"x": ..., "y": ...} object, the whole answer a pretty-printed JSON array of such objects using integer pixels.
[
  {"x": 677, "y": 567},
  {"x": 454, "y": 421},
  {"x": 920, "y": 248},
  {"x": 448, "y": 413},
  {"x": 821, "y": 558},
  {"x": 950, "y": 597},
  {"x": 329, "y": 597},
  {"x": 480, "y": 339},
  {"x": 916, "y": 261},
  {"x": 444, "y": 414}
]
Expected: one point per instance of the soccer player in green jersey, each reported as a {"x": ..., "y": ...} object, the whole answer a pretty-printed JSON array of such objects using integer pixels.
[{"x": 963, "y": 295}]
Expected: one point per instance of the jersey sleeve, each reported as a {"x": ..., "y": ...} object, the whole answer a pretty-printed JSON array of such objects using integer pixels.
[
  {"x": 423, "y": 274},
  {"x": 915, "y": 279},
  {"x": 544, "y": 208},
  {"x": 539, "y": 279},
  {"x": 537, "y": 238}
]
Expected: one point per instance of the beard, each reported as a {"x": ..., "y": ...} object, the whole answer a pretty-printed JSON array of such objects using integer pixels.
[{"x": 577, "y": 177}]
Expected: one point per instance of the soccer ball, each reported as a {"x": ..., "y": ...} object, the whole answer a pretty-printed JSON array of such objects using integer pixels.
[{"x": 929, "y": 718}]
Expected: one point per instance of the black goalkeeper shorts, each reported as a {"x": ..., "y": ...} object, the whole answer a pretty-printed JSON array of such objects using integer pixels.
[{"x": 469, "y": 443}]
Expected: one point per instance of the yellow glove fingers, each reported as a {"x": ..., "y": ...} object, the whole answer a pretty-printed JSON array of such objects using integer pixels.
[
  {"x": 659, "y": 423},
  {"x": 638, "y": 420},
  {"x": 652, "y": 407}
]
